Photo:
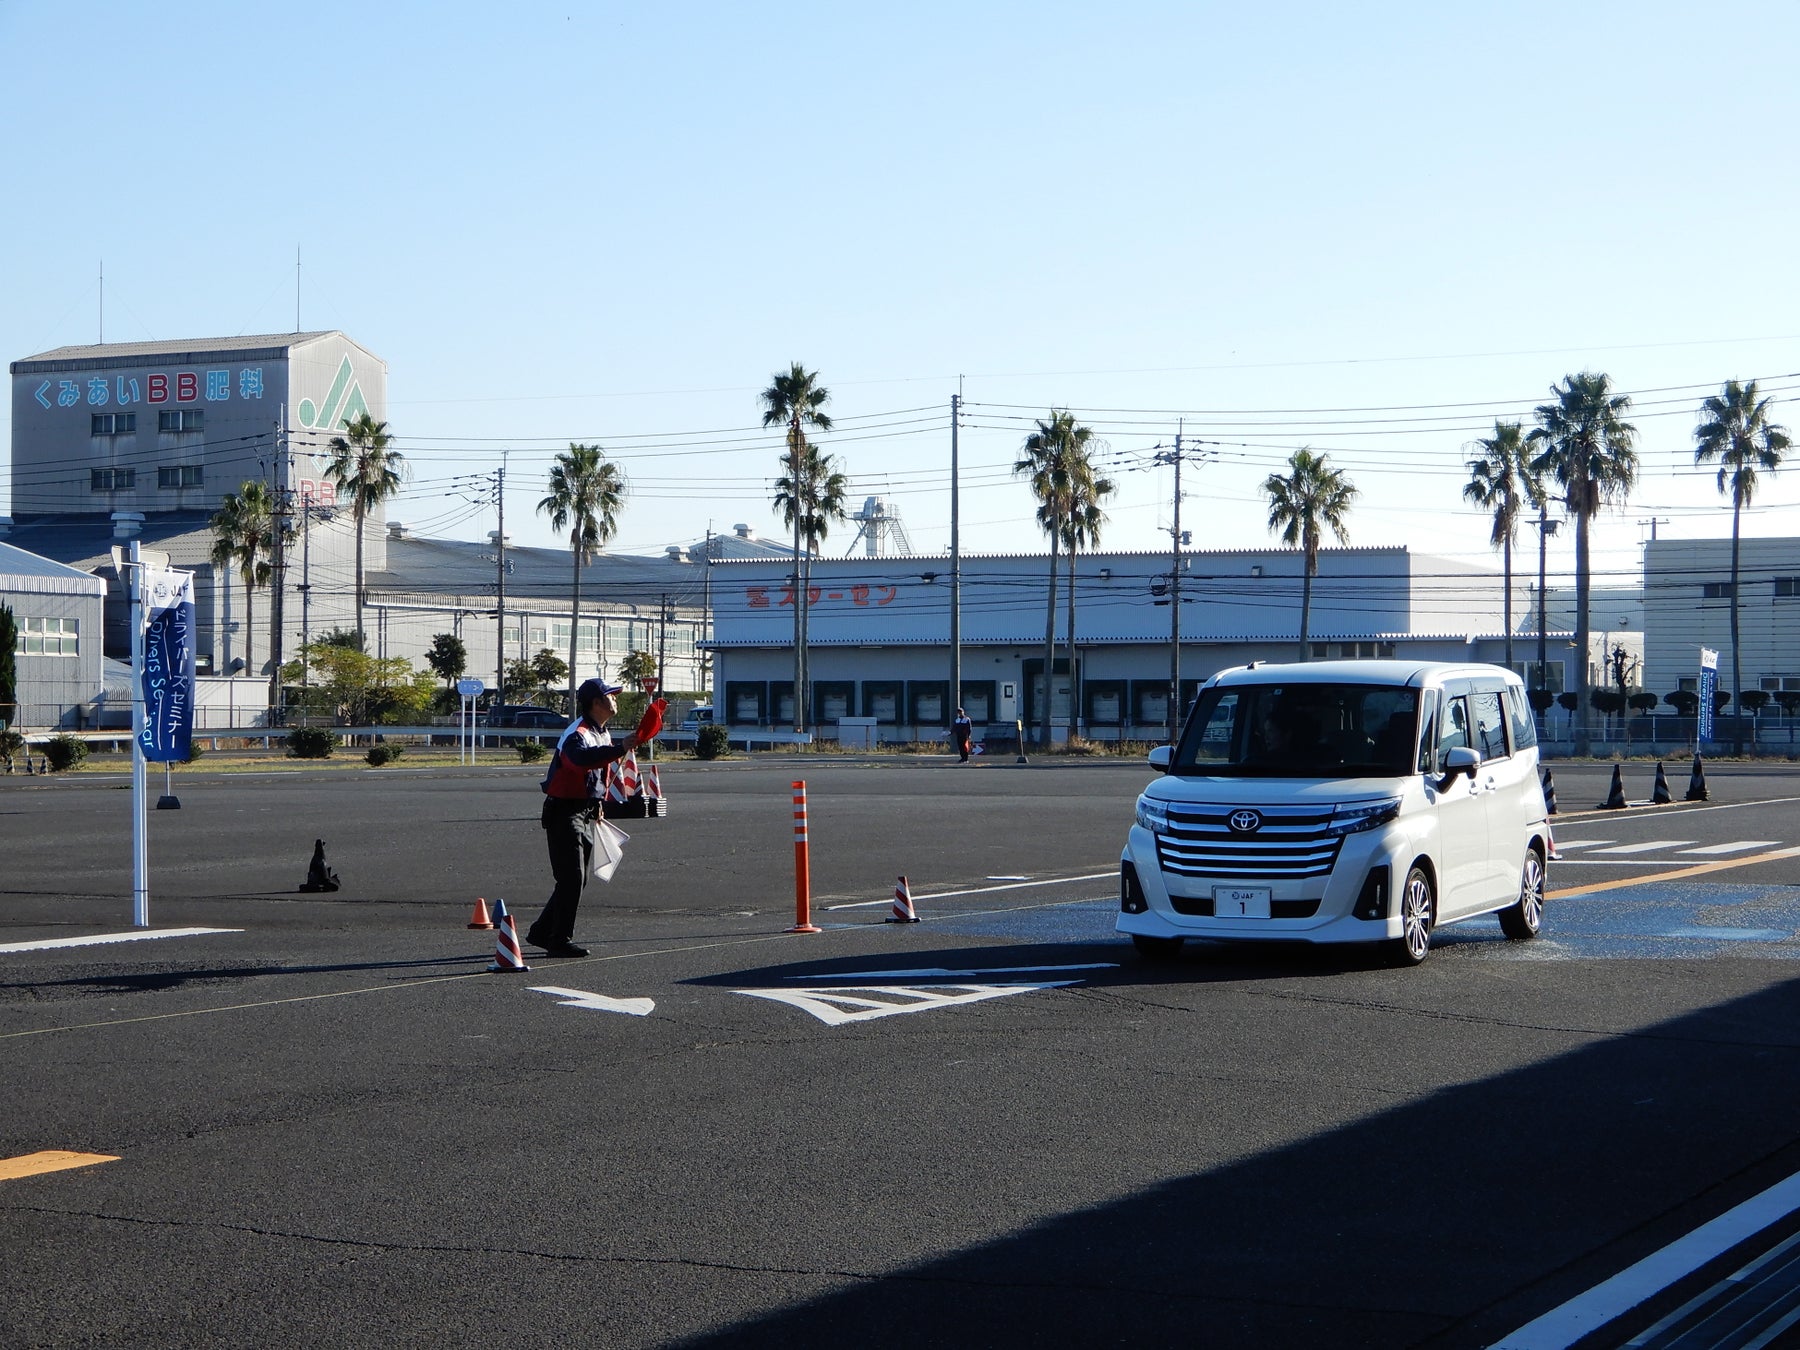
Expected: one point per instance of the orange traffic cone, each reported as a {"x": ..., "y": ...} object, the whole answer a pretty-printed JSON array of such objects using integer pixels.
[
  {"x": 507, "y": 956},
  {"x": 480, "y": 918},
  {"x": 903, "y": 905}
]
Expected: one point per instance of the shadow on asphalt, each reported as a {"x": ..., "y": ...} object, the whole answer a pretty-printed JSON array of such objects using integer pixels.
[
  {"x": 1446, "y": 1222},
  {"x": 149, "y": 981}
]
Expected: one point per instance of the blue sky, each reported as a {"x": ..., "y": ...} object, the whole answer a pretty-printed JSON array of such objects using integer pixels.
[{"x": 1371, "y": 230}]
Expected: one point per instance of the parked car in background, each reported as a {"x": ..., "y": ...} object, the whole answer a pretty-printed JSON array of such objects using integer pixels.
[
  {"x": 524, "y": 715},
  {"x": 698, "y": 717}
]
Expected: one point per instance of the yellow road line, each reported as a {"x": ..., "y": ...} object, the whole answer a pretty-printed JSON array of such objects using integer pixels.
[
  {"x": 50, "y": 1160},
  {"x": 1697, "y": 870}
]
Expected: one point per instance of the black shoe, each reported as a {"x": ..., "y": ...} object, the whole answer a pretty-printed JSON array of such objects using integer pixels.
[
  {"x": 531, "y": 936},
  {"x": 566, "y": 949}
]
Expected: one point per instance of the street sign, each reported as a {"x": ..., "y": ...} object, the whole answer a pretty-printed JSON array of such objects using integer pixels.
[
  {"x": 650, "y": 682},
  {"x": 470, "y": 687}
]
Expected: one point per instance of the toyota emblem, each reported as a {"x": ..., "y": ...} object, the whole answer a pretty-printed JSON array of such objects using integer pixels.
[{"x": 1244, "y": 822}]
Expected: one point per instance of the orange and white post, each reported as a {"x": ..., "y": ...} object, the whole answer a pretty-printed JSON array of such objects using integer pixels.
[{"x": 802, "y": 868}]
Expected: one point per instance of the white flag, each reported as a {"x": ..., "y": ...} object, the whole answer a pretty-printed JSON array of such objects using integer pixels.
[{"x": 609, "y": 848}]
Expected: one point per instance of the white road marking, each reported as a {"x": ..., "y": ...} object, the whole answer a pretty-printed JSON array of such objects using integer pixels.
[
  {"x": 1738, "y": 847},
  {"x": 581, "y": 998},
  {"x": 863, "y": 1003},
  {"x": 923, "y": 971},
  {"x": 101, "y": 939},
  {"x": 1587, "y": 1312},
  {"x": 1561, "y": 844},
  {"x": 1651, "y": 847},
  {"x": 979, "y": 890}
]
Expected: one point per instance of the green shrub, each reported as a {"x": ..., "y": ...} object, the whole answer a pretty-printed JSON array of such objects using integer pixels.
[
  {"x": 311, "y": 742},
  {"x": 712, "y": 741},
  {"x": 530, "y": 752},
  {"x": 195, "y": 751},
  {"x": 65, "y": 752},
  {"x": 382, "y": 753},
  {"x": 11, "y": 743}
]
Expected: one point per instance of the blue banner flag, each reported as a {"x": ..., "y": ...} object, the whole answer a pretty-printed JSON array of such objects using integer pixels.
[
  {"x": 1709, "y": 688},
  {"x": 168, "y": 665}
]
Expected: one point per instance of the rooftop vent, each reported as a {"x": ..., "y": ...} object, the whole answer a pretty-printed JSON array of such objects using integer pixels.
[
  {"x": 744, "y": 532},
  {"x": 127, "y": 524},
  {"x": 494, "y": 537},
  {"x": 677, "y": 553},
  {"x": 396, "y": 530}
]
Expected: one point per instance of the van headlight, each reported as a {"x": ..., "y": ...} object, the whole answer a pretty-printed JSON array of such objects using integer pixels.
[
  {"x": 1367, "y": 816},
  {"x": 1154, "y": 815}
]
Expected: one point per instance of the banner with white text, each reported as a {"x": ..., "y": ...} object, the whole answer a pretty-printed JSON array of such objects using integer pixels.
[
  {"x": 168, "y": 677},
  {"x": 1709, "y": 689}
]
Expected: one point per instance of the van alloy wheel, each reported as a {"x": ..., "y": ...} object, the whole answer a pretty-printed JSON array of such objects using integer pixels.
[
  {"x": 1418, "y": 914},
  {"x": 1526, "y": 918}
]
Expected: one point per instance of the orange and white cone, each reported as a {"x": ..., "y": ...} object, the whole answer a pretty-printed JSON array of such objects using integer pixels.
[
  {"x": 903, "y": 905},
  {"x": 480, "y": 919},
  {"x": 507, "y": 956}
]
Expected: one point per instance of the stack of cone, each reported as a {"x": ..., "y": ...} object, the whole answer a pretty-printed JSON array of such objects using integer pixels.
[
  {"x": 507, "y": 956},
  {"x": 1697, "y": 783},
  {"x": 480, "y": 918},
  {"x": 903, "y": 905},
  {"x": 1549, "y": 793},
  {"x": 1615, "y": 799},
  {"x": 1659, "y": 795}
]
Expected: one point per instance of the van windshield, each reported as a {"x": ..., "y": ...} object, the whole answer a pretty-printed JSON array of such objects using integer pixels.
[{"x": 1301, "y": 731}]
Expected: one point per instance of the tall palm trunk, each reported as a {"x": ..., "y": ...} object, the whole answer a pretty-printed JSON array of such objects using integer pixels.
[
  {"x": 1737, "y": 673},
  {"x": 1506, "y": 555},
  {"x": 1309, "y": 546},
  {"x": 250, "y": 629},
  {"x": 575, "y": 630},
  {"x": 362, "y": 644},
  {"x": 1581, "y": 734},
  {"x": 1049, "y": 646}
]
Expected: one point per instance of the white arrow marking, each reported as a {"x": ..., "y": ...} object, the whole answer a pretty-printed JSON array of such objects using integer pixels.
[
  {"x": 580, "y": 998},
  {"x": 834, "y": 1007},
  {"x": 924, "y": 971}
]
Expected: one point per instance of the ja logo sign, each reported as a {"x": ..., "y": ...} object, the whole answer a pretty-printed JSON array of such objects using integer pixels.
[{"x": 343, "y": 404}]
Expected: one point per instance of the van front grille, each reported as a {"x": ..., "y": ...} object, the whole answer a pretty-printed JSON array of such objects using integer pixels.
[{"x": 1288, "y": 843}]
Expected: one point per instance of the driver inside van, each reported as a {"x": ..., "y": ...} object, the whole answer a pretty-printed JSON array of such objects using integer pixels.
[{"x": 1291, "y": 738}]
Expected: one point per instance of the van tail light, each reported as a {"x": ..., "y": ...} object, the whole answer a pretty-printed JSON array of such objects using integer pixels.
[
  {"x": 1373, "y": 902},
  {"x": 1131, "y": 893}
]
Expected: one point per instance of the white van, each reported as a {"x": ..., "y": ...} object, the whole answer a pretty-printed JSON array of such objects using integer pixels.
[{"x": 1341, "y": 801}]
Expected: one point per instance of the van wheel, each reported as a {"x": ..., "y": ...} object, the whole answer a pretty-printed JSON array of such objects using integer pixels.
[
  {"x": 1526, "y": 919},
  {"x": 1418, "y": 915},
  {"x": 1156, "y": 948}
]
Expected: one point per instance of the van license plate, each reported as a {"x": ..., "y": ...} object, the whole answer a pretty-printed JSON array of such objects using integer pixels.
[{"x": 1241, "y": 902}]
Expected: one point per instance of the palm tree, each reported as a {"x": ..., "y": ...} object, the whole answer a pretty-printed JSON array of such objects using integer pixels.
[
  {"x": 364, "y": 465},
  {"x": 1312, "y": 495},
  {"x": 1584, "y": 442},
  {"x": 1081, "y": 530},
  {"x": 586, "y": 492},
  {"x": 1738, "y": 433},
  {"x": 1055, "y": 458},
  {"x": 797, "y": 402},
  {"x": 1500, "y": 482},
  {"x": 243, "y": 537}
]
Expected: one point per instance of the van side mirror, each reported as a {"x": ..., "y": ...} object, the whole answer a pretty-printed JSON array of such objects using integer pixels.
[
  {"x": 1459, "y": 759},
  {"x": 1160, "y": 757}
]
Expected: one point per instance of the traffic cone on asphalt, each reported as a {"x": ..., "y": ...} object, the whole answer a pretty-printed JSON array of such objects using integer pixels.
[
  {"x": 1549, "y": 793},
  {"x": 480, "y": 918},
  {"x": 1697, "y": 783},
  {"x": 1659, "y": 795},
  {"x": 507, "y": 956},
  {"x": 1615, "y": 800},
  {"x": 903, "y": 905}
]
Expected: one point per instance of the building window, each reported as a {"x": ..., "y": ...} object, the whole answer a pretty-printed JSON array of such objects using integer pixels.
[
  {"x": 111, "y": 480},
  {"x": 113, "y": 424},
  {"x": 48, "y": 637},
  {"x": 1715, "y": 590},
  {"x": 1786, "y": 588},
  {"x": 179, "y": 476},
  {"x": 181, "y": 419}
]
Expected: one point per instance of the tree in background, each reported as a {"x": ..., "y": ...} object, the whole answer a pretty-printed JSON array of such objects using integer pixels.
[
  {"x": 244, "y": 538},
  {"x": 1737, "y": 432},
  {"x": 636, "y": 668},
  {"x": 448, "y": 657},
  {"x": 1053, "y": 458},
  {"x": 1081, "y": 530},
  {"x": 9, "y": 667},
  {"x": 356, "y": 689},
  {"x": 1312, "y": 498},
  {"x": 1583, "y": 441},
  {"x": 364, "y": 464},
  {"x": 1501, "y": 482},
  {"x": 548, "y": 669},
  {"x": 586, "y": 494},
  {"x": 796, "y": 401}
]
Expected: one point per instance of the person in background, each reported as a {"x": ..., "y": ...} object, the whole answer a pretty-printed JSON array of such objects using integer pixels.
[
  {"x": 573, "y": 789},
  {"x": 962, "y": 731}
]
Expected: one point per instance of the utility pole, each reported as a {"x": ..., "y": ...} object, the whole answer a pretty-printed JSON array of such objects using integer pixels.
[
  {"x": 500, "y": 581},
  {"x": 1174, "y": 457},
  {"x": 278, "y": 610},
  {"x": 662, "y": 640},
  {"x": 955, "y": 561},
  {"x": 1545, "y": 528}
]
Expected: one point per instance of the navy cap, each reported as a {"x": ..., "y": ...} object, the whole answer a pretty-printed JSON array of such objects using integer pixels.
[{"x": 592, "y": 689}]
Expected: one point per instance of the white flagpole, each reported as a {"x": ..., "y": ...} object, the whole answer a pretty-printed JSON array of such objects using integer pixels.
[{"x": 140, "y": 853}]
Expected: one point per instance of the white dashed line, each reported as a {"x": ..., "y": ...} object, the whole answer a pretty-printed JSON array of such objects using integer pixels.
[{"x": 101, "y": 939}]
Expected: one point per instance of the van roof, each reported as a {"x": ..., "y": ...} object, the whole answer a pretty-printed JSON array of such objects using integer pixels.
[{"x": 1360, "y": 672}]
